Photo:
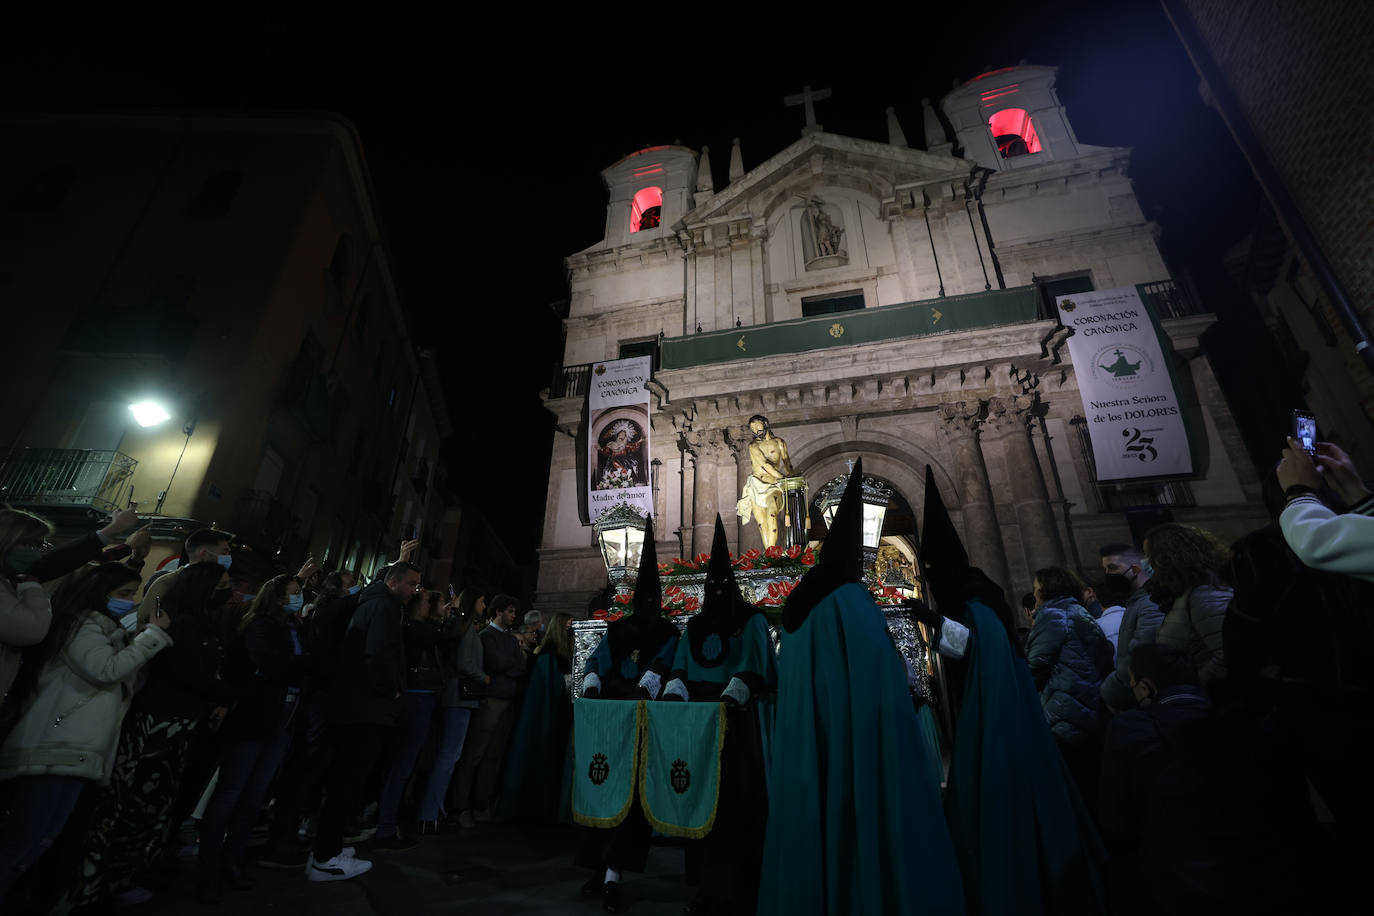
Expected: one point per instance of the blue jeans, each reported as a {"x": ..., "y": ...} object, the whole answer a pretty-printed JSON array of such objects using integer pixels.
[
  {"x": 417, "y": 709},
  {"x": 38, "y": 810},
  {"x": 453, "y": 728},
  {"x": 246, "y": 769}
]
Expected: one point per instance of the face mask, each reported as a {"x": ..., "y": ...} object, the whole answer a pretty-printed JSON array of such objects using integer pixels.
[
  {"x": 226, "y": 560},
  {"x": 246, "y": 598},
  {"x": 118, "y": 607},
  {"x": 22, "y": 559},
  {"x": 1146, "y": 568},
  {"x": 1118, "y": 583},
  {"x": 294, "y": 603},
  {"x": 355, "y": 589}
]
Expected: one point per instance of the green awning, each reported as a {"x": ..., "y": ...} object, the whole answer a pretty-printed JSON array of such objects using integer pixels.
[{"x": 843, "y": 329}]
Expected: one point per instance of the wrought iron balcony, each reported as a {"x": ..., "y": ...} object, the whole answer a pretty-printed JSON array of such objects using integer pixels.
[
  {"x": 68, "y": 478},
  {"x": 570, "y": 381},
  {"x": 1169, "y": 300}
]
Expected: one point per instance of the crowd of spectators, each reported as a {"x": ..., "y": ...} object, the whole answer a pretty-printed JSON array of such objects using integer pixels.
[
  {"x": 150, "y": 720},
  {"x": 1210, "y": 703}
]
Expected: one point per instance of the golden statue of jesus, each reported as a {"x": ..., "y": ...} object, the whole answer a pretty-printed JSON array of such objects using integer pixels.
[{"x": 763, "y": 497}]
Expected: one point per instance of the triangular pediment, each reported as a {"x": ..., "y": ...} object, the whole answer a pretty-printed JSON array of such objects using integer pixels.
[{"x": 820, "y": 159}]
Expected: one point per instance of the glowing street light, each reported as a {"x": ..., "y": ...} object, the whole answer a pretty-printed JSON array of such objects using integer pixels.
[{"x": 149, "y": 413}]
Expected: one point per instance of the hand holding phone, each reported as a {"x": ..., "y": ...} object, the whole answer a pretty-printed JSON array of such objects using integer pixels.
[{"x": 1305, "y": 431}]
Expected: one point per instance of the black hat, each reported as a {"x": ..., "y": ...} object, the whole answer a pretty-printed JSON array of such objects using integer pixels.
[
  {"x": 723, "y": 609},
  {"x": 841, "y": 561},
  {"x": 648, "y": 597}
]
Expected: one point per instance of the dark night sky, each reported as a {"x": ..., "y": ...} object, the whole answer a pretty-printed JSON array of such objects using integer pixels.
[{"x": 486, "y": 140}]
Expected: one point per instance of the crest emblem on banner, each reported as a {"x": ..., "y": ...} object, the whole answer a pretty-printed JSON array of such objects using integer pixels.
[
  {"x": 680, "y": 776},
  {"x": 598, "y": 770}
]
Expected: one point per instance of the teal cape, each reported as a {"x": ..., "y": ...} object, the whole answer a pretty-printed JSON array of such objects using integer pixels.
[
  {"x": 535, "y": 775},
  {"x": 854, "y": 819},
  {"x": 1025, "y": 841}
]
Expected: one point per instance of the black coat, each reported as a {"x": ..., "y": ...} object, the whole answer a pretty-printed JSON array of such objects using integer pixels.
[
  {"x": 422, "y": 643},
  {"x": 263, "y": 666},
  {"x": 185, "y": 679},
  {"x": 372, "y": 670}
]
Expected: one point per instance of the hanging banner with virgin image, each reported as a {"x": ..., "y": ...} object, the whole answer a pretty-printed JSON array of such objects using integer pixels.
[
  {"x": 1135, "y": 421},
  {"x": 618, "y": 436}
]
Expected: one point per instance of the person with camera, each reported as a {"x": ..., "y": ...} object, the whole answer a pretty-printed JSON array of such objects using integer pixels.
[
  {"x": 464, "y": 684},
  {"x": 1322, "y": 538},
  {"x": 66, "y": 737},
  {"x": 427, "y": 627}
]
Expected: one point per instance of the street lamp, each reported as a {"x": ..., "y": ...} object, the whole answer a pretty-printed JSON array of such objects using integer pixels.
[
  {"x": 876, "y": 495},
  {"x": 620, "y": 534},
  {"x": 149, "y": 413}
]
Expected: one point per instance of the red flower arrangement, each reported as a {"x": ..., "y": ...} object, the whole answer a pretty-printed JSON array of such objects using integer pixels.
[
  {"x": 885, "y": 594},
  {"x": 608, "y": 616},
  {"x": 794, "y": 560},
  {"x": 778, "y": 592}
]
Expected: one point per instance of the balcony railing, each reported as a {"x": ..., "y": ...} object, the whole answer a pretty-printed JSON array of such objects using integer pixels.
[
  {"x": 68, "y": 478},
  {"x": 570, "y": 381},
  {"x": 1168, "y": 299}
]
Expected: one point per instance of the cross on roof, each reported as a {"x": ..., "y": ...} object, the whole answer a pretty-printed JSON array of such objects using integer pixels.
[{"x": 806, "y": 98}]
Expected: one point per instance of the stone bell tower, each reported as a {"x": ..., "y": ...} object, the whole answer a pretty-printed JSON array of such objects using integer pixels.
[
  {"x": 1011, "y": 118},
  {"x": 650, "y": 191}
]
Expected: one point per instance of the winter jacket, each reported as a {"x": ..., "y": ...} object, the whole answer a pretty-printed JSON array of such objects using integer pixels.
[
  {"x": 1139, "y": 624},
  {"x": 373, "y": 669},
  {"x": 264, "y": 669},
  {"x": 70, "y": 724},
  {"x": 186, "y": 681},
  {"x": 424, "y": 641},
  {"x": 25, "y": 615},
  {"x": 1330, "y": 542},
  {"x": 462, "y": 661},
  {"x": 504, "y": 661},
  {"x": 1069, "y": 655},
  {"x": 1193, "y": 625}
]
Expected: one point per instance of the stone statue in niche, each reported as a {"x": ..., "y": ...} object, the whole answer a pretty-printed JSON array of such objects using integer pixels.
[{"x": 823, "y": 241}]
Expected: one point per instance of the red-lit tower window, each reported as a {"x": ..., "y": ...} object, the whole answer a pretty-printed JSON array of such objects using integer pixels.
[
  {"x": 1014, "y": 133},
  {"x": 646, "y": 211}
]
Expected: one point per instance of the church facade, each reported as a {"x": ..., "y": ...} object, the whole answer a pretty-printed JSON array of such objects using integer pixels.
[{"x": 872, "y": 299}]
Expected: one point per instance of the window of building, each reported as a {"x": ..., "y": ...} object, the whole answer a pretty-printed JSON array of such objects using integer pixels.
[
  {"x": 1014, "y": 133},
  {"x": 646, "y": 210},
  {"x": 1052, "y": 288},
  {"x": 846, "y": 301},
  {"x": 216, "y": 195},
  {"x": 342, "y": 260},
  {"x": 633, "y": 348}
]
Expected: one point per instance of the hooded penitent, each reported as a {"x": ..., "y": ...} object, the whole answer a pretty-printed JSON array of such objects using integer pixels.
[
  {"x": 854, "y": 821},
  {"x": 645, "y": 629},
  {"x": 953, "y": 582},
  {"x": 1023, "y": 837},
  {"x": 638, "y": 649},
  {"x": 723, "y": 609}
]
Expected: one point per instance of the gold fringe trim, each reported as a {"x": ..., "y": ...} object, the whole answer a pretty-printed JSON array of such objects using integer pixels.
[
  {"x": 636, "y": 761},
  {"x": 663, "y": 827}
]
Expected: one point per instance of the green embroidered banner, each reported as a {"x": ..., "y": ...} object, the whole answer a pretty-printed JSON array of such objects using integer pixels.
[
  {"x": 605, "y": 757},
  {"x": 681, "y": 767}
]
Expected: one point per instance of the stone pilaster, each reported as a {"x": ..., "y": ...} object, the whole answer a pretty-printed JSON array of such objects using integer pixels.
[
  {"x": 960, "y": 422},
  {"x": 1008, "y": 418},
  {"x": 738, "y": 438},
  {"x": 709, "y": 451}
]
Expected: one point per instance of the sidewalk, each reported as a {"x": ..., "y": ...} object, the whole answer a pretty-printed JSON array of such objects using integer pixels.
[{"x": 516, "y": 871}]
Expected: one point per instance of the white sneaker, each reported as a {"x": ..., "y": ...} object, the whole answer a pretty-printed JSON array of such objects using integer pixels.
[
  {"x": 466, "y": 820},
  {"x": 349, "y": 852},
  {"x": 339, "y": 868}
]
